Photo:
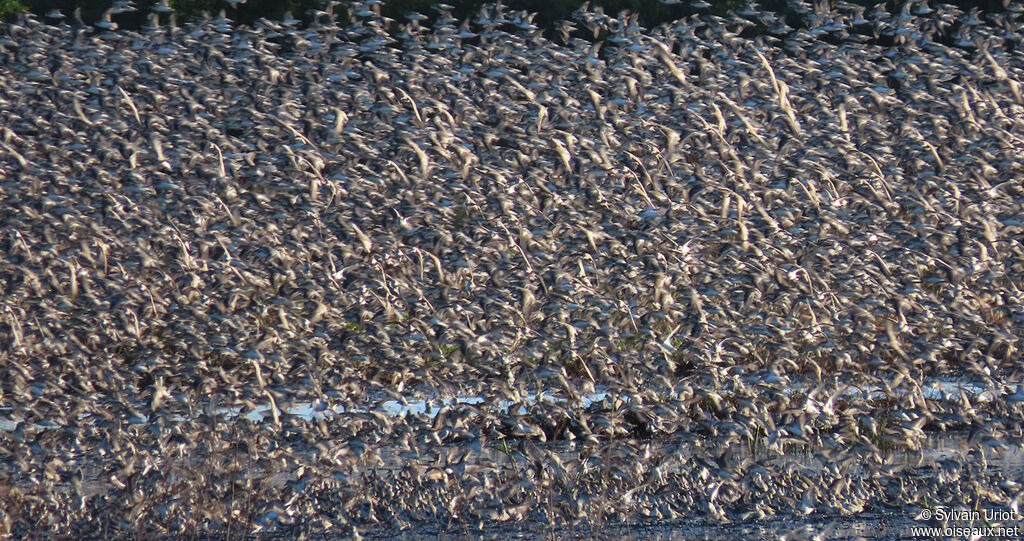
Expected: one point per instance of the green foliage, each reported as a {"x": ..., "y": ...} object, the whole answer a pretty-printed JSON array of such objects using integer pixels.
[
  {"x": 650, "y": 12},
  {"x": 194, "y": 8},
  {"x": 548, "y": 12},
  {"x": 10, "y": 9}
]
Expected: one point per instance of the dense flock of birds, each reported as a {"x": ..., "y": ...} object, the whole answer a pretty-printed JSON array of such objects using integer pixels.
[{"x": 772, "y": 252}]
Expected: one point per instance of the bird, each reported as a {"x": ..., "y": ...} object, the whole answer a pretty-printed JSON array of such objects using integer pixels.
[{"x": 437, "y": 271}]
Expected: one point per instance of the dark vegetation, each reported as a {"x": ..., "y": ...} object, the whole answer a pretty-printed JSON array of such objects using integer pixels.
[{"x": 549, "y": 12}]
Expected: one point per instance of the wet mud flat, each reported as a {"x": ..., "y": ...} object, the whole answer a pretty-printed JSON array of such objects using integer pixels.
[
  {"x": 419, "y": 277},
  {"x": 522, "y": 451},
  {"x": 872, "y": 526}
]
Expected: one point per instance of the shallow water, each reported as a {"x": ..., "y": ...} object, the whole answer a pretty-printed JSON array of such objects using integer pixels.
[{"x": 935, "y": 390}]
